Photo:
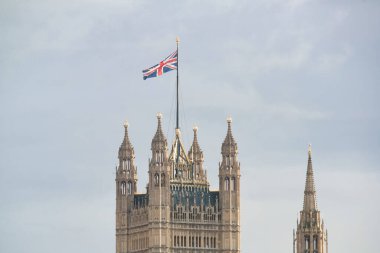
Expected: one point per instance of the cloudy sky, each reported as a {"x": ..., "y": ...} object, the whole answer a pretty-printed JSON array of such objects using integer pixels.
[{"x": 289, "y": 72}]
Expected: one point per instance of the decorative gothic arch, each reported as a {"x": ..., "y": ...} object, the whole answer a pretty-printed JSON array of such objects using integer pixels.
[
  {"x": 130, "y": 187},
  {"x": 227, "y": 184},
  {"x": 123, "y": 188},
  {"x": 156, "y": 179}
]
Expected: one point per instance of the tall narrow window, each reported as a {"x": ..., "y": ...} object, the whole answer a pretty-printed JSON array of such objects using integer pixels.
[
  {"x": 307, "y": 243},
  {"x": 233, "y": 184},
  {"x": 315, "y": 244},
  {"x": 128, "y": 164},
  {"x": 227, "y": 184},
  {"x": 156, "y": 179},
  {"x": 123, "y": 188},
  {"x": 129, "y": 188}
]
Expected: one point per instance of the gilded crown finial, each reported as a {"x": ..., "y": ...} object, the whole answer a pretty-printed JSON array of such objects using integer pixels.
[
  {"x": 195, "y": 128},
  {"x": 126, "y": 124},
  {"x": 177, "y": 40},
  {"x": 309, "y": 149},
  {"x": 229, "y": 119},
  {"x": 159, "y": 115}
]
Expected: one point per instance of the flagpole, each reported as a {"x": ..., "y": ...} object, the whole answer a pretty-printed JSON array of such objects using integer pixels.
[{"x": 177, "y": 125}]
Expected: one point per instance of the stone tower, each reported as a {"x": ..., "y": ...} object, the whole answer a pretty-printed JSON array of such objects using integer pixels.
[
  {"x": 229, "y": 188},
  {"x": 311, "y": 236},
  {"x": 159, "y": 192},
  {"x": 178, "y": 212},
  {"x": 126, "y": 181}
]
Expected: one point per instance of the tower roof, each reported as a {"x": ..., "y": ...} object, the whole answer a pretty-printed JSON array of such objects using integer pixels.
[
  {"x": 126, "y": 141},
  {"x": 195, "y": 148},
  {"x": 229, "y": 145},
  {"x": 126, "y": 147},
  {"x": 310, "y": 199},
  {"x": 159, "y": 137}
]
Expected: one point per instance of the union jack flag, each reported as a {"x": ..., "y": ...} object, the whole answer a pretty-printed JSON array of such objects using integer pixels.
[{"x": 170, "y": 63}]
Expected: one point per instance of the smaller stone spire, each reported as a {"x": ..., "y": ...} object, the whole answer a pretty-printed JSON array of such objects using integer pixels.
[
  {"x": 126, "y": 149},
  {"x": 310, "y": 199},
  {"x": 126, "y": 140},
  {"x": 195, "y": 154},
  {"x": 195, "y": 148},
  {"x": 229, "y": 145},
  {"x": 159, "y": 137}
]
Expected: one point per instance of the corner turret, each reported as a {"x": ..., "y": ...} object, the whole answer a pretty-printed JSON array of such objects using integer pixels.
[
  {"x": 196, "y": 157},
  {"x": 229, "y": 191},
  {"x": 126, "y": 170}
]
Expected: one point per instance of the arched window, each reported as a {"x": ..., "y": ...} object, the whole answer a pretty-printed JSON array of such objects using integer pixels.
[
  {"x": 159, "y": 157},
  {"x": 307, "y": 242},
  {"x": 227, "y": 184},
  {"x": 129, "y": 188},
  {"x": 233, "y": 184},
  {"x": 128, "y": 164},
  {"x": 156, "y": 179},
  {"x": 123, "y": 188},
  {"x": 315, "y": 243}
]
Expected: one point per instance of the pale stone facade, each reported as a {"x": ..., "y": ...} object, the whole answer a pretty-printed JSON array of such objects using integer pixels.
[
  {"x": 311, "y": 235},
  {"x": 178, "y": 212}
]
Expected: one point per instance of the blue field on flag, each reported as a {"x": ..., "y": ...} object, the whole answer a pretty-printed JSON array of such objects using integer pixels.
[{"x": 170, "y": 63}]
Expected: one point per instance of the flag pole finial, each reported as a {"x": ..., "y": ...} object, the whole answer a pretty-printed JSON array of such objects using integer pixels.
[{"x": 177, "y": 40}]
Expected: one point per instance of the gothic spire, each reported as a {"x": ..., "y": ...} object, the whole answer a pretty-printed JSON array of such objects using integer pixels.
[
  {"x": 229, "y": 145},
  {"x": 126, "y": 149},
  {"x": 159, "y": 140},
  {"x": 195, "y": 149},
  {"x": 196, "y": 157},
  {"x": 310, "y": 199}
]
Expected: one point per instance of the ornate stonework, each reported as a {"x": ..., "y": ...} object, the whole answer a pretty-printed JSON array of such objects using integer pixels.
[
  {"x": 178, "y": 212},
  {"x": 311, "y": 236}
]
